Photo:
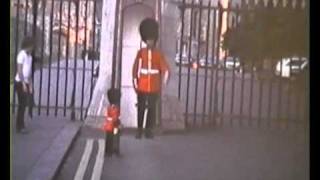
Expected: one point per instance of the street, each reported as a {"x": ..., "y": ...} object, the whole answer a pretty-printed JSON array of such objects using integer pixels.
[{"x": 224, "y": 154}]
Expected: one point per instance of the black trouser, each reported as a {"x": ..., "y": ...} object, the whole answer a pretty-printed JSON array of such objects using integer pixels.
[
  {"x": 112, "y": 142},
  {"x": 147, "y": 101},
  {"x": 23, "y": 100}
]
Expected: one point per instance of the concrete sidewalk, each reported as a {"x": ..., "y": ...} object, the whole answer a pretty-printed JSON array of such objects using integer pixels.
[{"x": 37, "y": 155}]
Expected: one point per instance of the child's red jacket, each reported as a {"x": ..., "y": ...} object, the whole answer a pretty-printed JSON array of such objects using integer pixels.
[{"x": 112, "y": 118}]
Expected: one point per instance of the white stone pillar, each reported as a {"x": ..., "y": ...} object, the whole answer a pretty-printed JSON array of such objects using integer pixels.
[{"x": 99, "y": 98}]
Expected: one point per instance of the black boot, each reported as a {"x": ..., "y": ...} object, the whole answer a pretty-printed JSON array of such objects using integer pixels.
[
  {"x": 149, "y": 134},
  {"x": 139, "y": 133},
  {"x": 109, "y": 144},
  {"x": 116, "y": 145}
]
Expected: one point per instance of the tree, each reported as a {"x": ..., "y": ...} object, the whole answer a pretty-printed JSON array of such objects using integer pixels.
[{"x": 268, "y": 33}]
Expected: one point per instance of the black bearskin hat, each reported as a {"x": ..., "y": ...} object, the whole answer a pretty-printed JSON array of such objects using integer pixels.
[
  {"x": 114, "y": 96},
  {"x": 149, "y": 29}
]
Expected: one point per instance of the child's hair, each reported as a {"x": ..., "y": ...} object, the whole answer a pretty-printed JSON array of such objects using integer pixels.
[
  {"x": 114, "y": 96},
  {"x": 28, "y": 41}
]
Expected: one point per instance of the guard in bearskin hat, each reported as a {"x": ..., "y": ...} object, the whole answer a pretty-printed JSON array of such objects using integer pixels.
[
  {"x": 150, "y": 70},
  {"x": 111, "y": 124}
]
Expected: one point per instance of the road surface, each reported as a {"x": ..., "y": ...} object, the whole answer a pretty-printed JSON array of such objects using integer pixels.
[{"x": 224, "y": 154}]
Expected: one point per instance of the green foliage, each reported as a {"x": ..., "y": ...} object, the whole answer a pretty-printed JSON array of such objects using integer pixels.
[{"x": 268, "y": 33}]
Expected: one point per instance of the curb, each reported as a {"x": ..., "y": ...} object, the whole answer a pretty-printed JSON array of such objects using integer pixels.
[{"x": 49, "y": 162}]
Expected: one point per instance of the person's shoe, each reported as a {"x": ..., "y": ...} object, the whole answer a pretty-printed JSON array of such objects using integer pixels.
[
  {"x": 108, "y": 154},
  {"x": 30, "y": 114},
  {"x": 149, "y": 134},
  {"x": 117, "y": 153},
  {"x": 139, "y": 134}
]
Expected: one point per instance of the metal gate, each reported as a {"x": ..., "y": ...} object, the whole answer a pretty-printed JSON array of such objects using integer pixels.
[
  {"x": 218, "y": 89},
  {"x": 66, "y": 54}
]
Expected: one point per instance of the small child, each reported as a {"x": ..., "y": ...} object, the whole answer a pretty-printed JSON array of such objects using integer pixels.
[{"x": 111, "y": 125}]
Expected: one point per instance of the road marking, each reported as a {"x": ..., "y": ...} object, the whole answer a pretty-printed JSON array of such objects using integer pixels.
[
  {"x": 84, "y": 160},
  {"x": 97, "y": 170}
]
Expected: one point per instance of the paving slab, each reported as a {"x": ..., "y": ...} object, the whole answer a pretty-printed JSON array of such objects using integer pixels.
[{"x": 39, "y": 153}]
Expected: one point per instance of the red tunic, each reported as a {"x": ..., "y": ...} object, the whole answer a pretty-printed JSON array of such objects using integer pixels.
[
  {"x": 148, "y": 68},
  {"x": 112, "y": 118}
]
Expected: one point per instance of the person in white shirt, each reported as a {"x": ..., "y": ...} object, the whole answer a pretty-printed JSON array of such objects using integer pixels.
[{"x": 23, "y": 81}]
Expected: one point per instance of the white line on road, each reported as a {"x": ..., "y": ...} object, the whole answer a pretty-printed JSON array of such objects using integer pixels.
[
  {"x": 97, "y": 170},
  {"x": 84, "y": 160}
]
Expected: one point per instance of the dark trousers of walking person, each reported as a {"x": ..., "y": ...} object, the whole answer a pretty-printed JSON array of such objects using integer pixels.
[
  {"x": 22, "y": 104},
  {"x": 147, "y": 101}
]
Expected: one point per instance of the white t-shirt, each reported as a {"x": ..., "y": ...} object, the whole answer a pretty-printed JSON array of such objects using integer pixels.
[{"x": 26, "y": 61}]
